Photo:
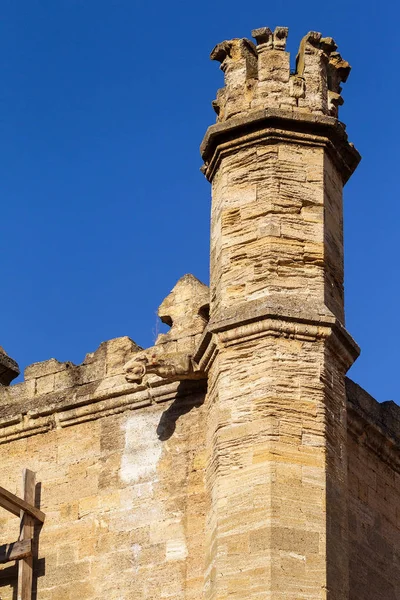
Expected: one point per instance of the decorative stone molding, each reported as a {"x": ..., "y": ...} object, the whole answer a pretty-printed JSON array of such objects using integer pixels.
[
  {"x": 273, "y": 323},
  {"x": 72, "y": 409},
  {"x": 272, "y": 125}
]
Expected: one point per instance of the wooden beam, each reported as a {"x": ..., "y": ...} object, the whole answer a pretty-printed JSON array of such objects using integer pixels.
[
  {"x": 10, "y": 507},
  {"x": 15, "y": 551},
  {"x": 25, "y": 565},
  {"x": 14, "y": 505}
]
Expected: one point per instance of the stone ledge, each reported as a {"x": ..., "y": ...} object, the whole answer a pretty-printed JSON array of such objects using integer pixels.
[
  {"x": 87, "y": 404},
  {"x": 279, "y": 122},
  {"x": 257, "y": 319}
]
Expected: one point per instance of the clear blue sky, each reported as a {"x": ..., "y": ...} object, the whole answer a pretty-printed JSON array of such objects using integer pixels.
[{"x": 103, "y": 107}]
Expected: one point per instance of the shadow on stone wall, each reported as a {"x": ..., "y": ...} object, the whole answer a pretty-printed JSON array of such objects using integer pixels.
[{"x": 184, "y": 402}]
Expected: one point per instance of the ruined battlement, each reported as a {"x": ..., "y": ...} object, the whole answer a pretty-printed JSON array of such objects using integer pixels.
[{"x": 258, "y": 75}]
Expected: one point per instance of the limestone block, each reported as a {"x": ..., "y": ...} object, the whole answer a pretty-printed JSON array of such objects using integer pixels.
[{"x": 47, "y": 367}]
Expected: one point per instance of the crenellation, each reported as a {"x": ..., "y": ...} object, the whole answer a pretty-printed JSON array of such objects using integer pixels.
[
  {"x": 264, "y": 38},
  {"x": 259, "y": 76},
  {"x": 47, "y": 367}
]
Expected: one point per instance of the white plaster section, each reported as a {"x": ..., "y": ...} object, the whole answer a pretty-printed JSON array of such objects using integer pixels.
[{"x": 142, "y": 448}]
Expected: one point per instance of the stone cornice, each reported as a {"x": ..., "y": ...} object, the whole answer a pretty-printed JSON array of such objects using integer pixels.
[
  {"x": 253, "y": 321},
  {"x": 80, "y": 404},
  {"x": 278, "y": 125}
]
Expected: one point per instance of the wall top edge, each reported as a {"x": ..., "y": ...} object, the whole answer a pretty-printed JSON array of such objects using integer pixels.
[{"x": 384, "y": 417}]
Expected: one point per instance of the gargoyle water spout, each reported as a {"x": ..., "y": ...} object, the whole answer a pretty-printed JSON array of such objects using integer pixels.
[
  {"x": 173, "y": 366},
  {"x": 171, "y": 356}
]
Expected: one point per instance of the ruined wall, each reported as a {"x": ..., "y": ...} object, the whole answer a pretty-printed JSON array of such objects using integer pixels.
[
  {"x": 120, "y": 472},
  {"x": 374, "y": 496}
]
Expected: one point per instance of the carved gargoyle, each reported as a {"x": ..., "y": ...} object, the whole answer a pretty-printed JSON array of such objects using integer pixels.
[
  {"x": 185, "y": 309},
  {"x": 173, "y": 366}
]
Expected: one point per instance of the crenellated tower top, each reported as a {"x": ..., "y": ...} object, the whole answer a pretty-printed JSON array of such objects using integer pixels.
[{"x": 258, "y": 75}]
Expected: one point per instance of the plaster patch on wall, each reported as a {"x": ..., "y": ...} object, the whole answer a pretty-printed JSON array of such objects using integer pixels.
[{"x": 142, "y": 448}]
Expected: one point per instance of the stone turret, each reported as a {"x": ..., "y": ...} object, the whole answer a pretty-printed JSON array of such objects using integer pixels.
[
  {"x": 295, "y": 153},
  {"x": 277, "y": 159}
]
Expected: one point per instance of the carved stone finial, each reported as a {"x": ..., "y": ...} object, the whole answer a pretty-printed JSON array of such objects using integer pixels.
[
  {"x": 280, "y": 38},
  {"x": 184, "y": 309},
  {"x": 271, "y": 41},
  {"x": 238, "y": 58},
  {"x": 328, "y": 45},
  {"x": 342, "y": 67},
  {"x": 221, "y": 51},
  {"x": 263, "y": 35},
  {"x": 235, "y": 50},
  {"x": 309, "y": 44},
  {"x": 313, "y": 38}
]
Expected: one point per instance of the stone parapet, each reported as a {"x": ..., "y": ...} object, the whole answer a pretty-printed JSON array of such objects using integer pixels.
[{"x": 259, "y": 76}]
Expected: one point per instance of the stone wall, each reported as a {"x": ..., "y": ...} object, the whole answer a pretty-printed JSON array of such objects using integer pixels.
[
  {"x": 122, "y": 484},
  {"x": 121, "y": 479},
  {"x": 374, "y": 496}
]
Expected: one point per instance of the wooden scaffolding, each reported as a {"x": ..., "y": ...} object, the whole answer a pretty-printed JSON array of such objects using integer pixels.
[{"x": 22, "y": 550}]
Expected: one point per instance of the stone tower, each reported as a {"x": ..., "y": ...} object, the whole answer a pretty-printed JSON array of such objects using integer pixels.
[
  {"x": 231, "y": 460},
  {"x": 277, "y": 159}
]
